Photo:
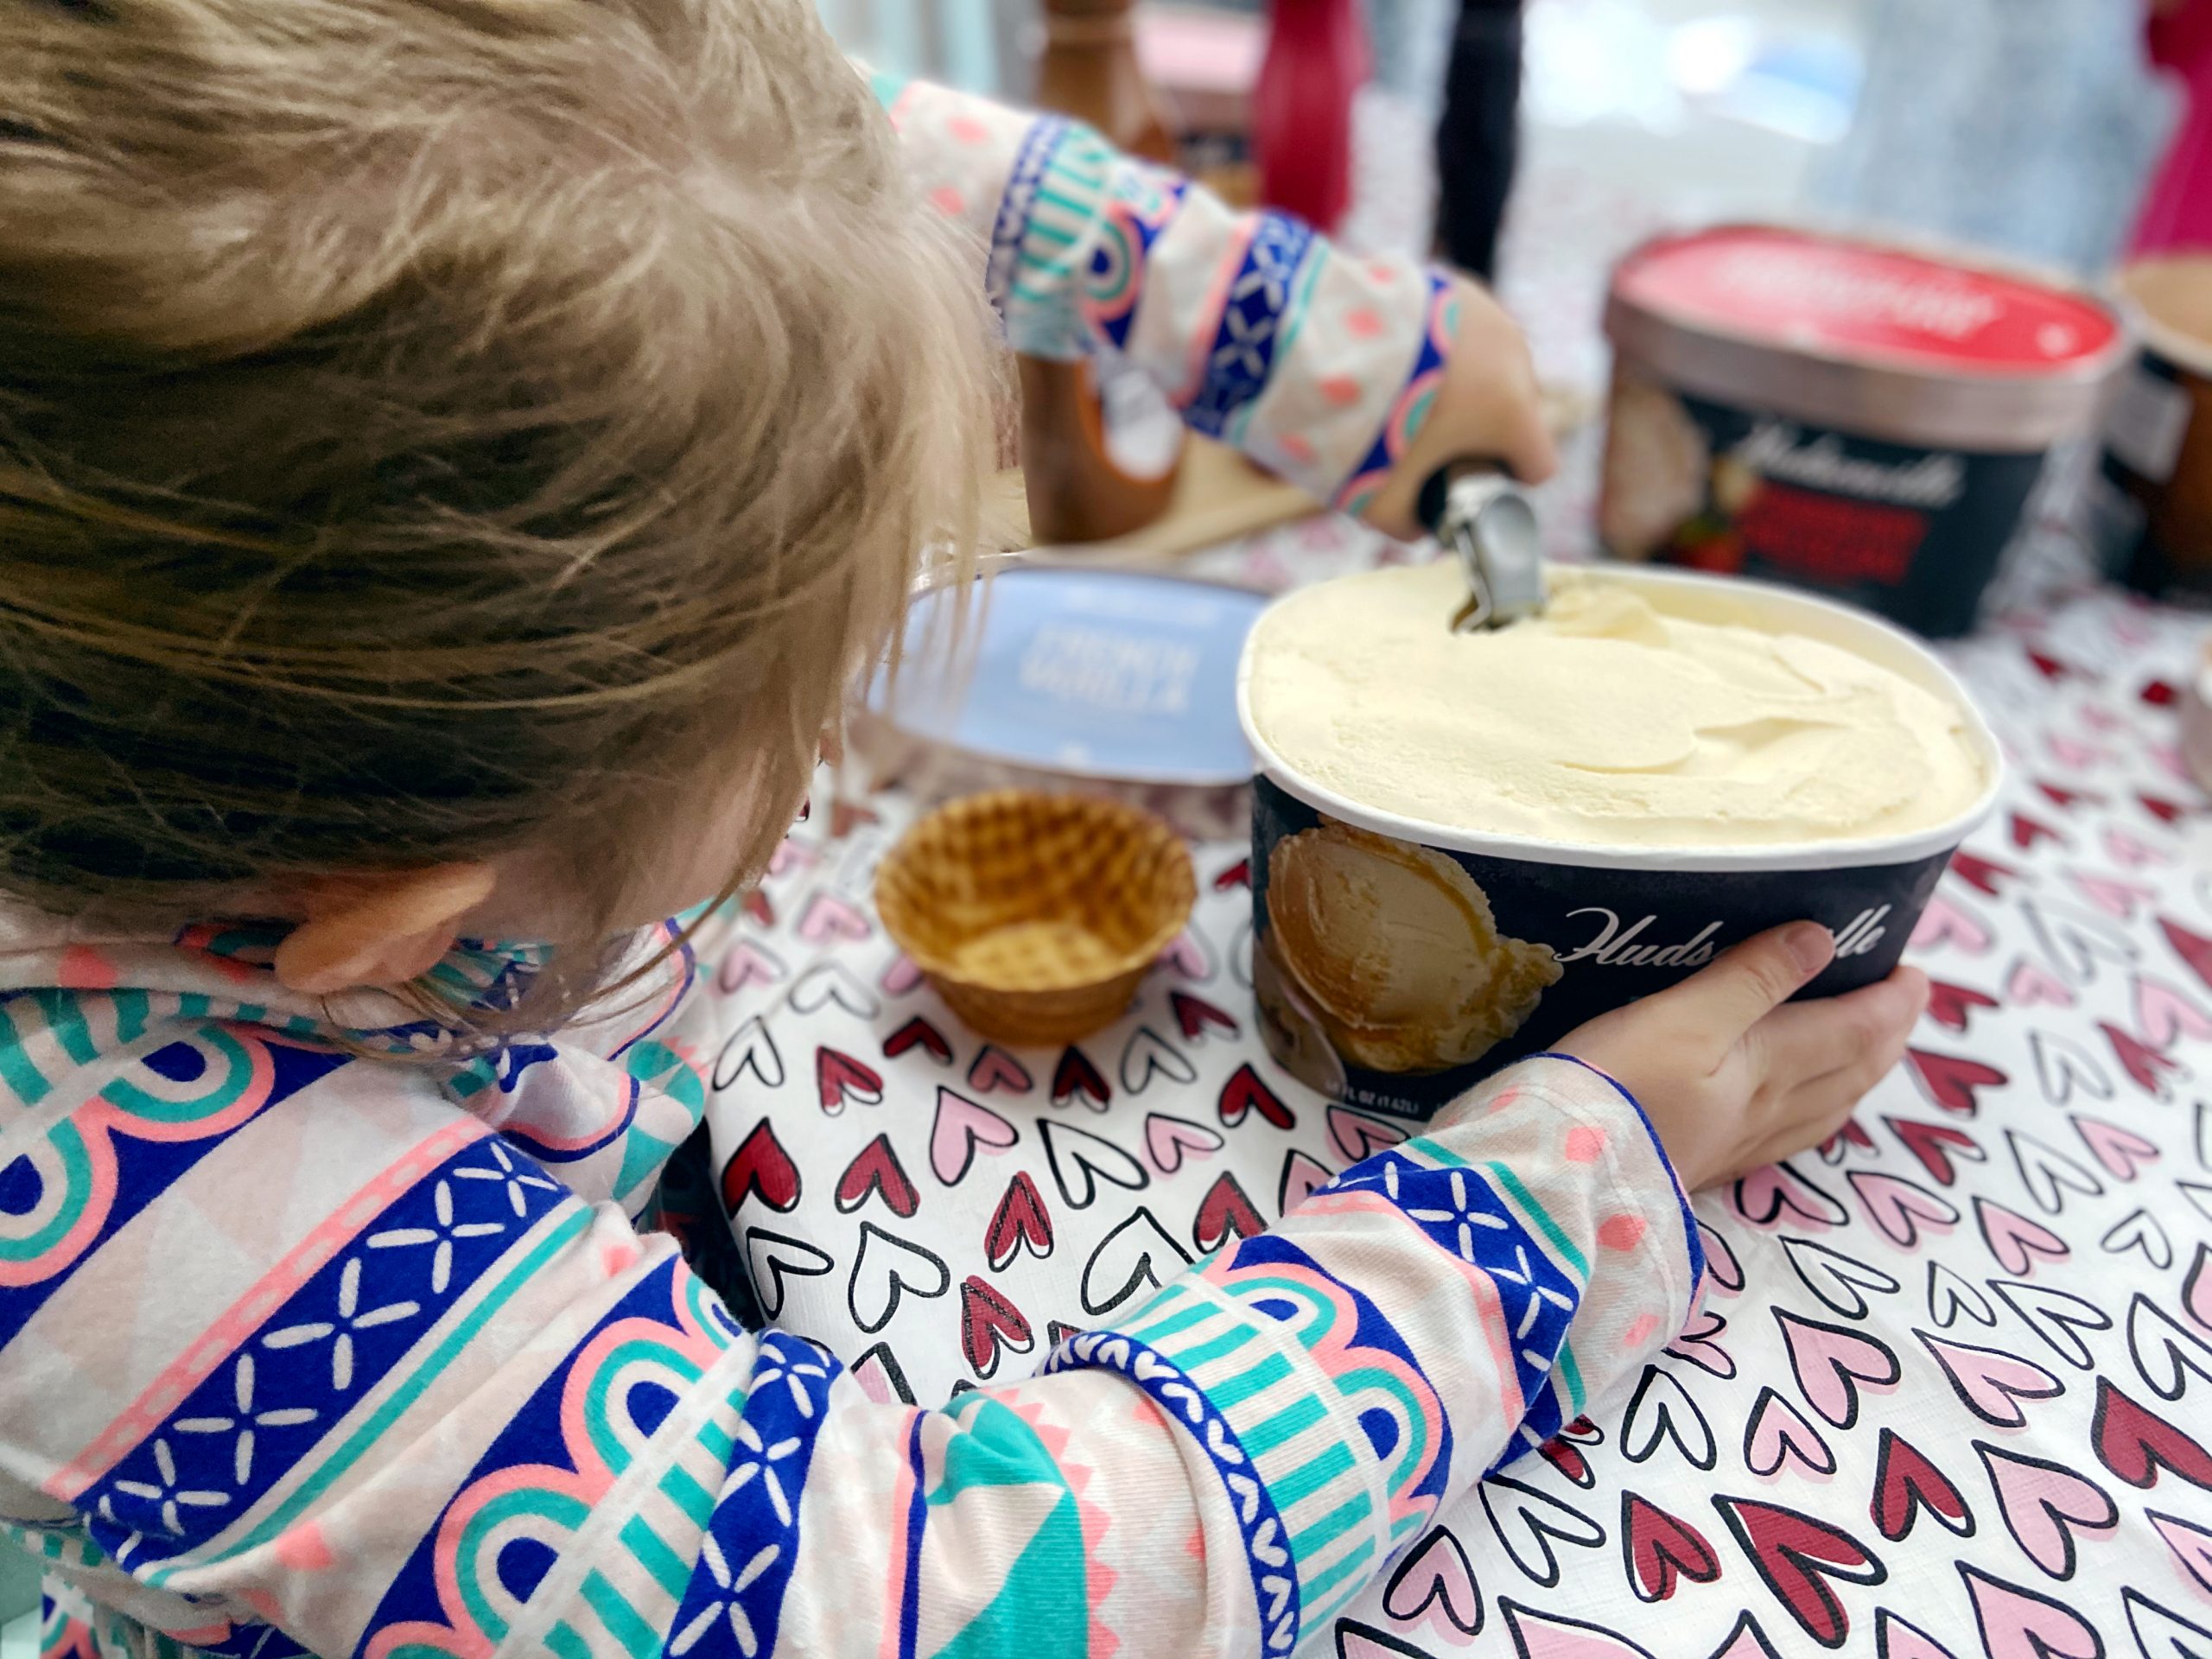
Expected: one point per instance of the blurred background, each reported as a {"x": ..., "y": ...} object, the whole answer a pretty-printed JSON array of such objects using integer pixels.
[{"x": 2028, "y": 126}]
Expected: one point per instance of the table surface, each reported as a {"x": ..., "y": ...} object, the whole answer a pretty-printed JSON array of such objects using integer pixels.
[{"x": 1950, "y": 1390}]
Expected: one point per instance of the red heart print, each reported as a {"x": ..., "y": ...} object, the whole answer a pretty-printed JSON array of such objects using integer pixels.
[
  {"x": 2050, "y": 668},
  {"x": 1223, "y": 1213},
  {"x": 2015, "y": 1239},
  {"x": 1238, "y": 874},
  {"x": 2163, "y": 810},
  {"x": 877, "y": 1170},
  {"x": 2135, "y": 1443},
  {"x": 918, "y": 1032},
  {"x": 2027, "y": 831},
  {"x": 1934, "y": 1144},
  {"x": 961, "y": 1126},
  {"x": 994, "y": 1069},
  {"x": 760, "y": 1165},
  {"x": 1195, "y": 1016},
  {"x": 1981, "y": 874},
  {"x": 1021, "y": 1218},
  {"x": 2193, "y": 948},
  {"x": 1990, "y": 1382},
  {"x": 1905, "y": 1483},
  {"x": 1899, "y": 1209},
  {"x": 2122, "y": 1152},
  {"x": 839, "y": 1077},
  {"x": 2149, "y": 1068},
  {"x": 2059, "y": 795},
  {"x": 1831, "y": 1361},
  {"x": 1075, "y": 1075},
  {"x": 1661, "y": 1549},
  {"x": 2041, "y": 1504},
  {"x": 1950, "y": 1005},
  {"x": 2159, "y": 694},
  {"x": 1569, "y": 1461},
  {"x": 989, "y": 1324},
  {"x": 1798, "y": 1555},
  {"x": 2020, "y": 1623},
  {"x": 1244, "y": 1092},
  {"x": 1359, "y": 1137},
  {"x": 1950, "y": 1080}
]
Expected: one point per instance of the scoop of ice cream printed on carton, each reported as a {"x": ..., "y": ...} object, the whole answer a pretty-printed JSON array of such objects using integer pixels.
[{"x": 1466, "y": 845}]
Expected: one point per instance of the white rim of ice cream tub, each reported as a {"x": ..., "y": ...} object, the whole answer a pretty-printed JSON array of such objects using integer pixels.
[
  {"x": 1854, "y": 630},
  {"x": 1995, "y": 410}
]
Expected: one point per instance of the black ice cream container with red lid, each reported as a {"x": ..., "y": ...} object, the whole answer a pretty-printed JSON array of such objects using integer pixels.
[
  {"x": 1362, "y": 916},
  {"x": 1865, "y": 420}
]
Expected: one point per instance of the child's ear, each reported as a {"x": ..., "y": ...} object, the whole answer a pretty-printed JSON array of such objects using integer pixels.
[{"x": 379, "y": 930}]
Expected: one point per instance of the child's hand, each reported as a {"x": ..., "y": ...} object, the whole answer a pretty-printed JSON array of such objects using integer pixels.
[
  {"x": 1488, "y": 408},
  {"x": 1732, "y": 1075}
]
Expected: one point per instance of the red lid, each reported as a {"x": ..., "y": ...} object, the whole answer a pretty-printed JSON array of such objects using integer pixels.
[{"x": 1865, "y": 303}]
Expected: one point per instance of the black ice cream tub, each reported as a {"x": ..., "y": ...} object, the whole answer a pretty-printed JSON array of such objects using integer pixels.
[
  {"x": 1396, "y": 963},
  {"x": 1863, "y": 420}
]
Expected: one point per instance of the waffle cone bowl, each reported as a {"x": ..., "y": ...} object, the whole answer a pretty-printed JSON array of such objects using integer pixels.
[{"x": 1036, "y": 915}]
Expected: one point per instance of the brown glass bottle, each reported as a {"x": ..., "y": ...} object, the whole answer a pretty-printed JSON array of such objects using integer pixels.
[{"x": 1077, "y": 490}]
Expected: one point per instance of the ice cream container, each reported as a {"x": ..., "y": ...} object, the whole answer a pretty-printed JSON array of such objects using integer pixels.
[
  {"x": 1860, "y": 419},
  {"x": 1395, "y": 960},
  {"x": 2154, "y": 490}
]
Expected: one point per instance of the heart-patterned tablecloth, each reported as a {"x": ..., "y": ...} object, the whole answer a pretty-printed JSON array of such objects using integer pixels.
[{"x": 1951, "y": 1391}]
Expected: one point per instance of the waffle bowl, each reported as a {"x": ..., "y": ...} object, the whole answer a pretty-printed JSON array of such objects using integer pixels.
[{"x": 1036, "y": 915}]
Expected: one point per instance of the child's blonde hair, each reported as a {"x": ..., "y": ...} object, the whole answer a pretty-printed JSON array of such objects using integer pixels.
[{"x": 435, "y": 427}]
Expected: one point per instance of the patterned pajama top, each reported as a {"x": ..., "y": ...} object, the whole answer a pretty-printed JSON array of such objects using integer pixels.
[{"x": 315, "y": 1338}]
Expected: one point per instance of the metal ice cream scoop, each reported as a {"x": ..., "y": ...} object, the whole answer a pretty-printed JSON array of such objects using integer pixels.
[{"x": 1475, "y": 509}]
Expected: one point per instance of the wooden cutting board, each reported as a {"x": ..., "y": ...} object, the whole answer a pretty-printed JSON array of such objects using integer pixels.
[{"x": 1218, "y": 496}]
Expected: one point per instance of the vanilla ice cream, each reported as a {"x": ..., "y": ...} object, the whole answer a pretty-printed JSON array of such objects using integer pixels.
[{"x": 1621, "y": 718}]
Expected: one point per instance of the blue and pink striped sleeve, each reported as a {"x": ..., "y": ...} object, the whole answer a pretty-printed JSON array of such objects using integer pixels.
[
  {"x": 296, "y": 1356},
  {"x": 1319, "y": 365}
]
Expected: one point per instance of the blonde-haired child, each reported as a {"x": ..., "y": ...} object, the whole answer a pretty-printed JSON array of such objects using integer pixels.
[{"x": 454, "y": 456}]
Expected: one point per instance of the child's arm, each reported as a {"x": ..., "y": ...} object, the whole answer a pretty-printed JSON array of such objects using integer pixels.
[
  {"x": 1353, "y": 377},
  {"x": 405, "y": 1396}
]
